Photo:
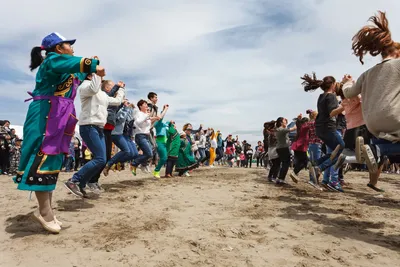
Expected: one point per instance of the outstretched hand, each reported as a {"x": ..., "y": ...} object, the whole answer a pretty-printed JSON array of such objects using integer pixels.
[
  {"x": 100, "y": 71},
  {"x": 347, "y": 78}
]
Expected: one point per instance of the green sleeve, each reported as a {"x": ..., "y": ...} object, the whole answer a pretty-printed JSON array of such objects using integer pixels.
[{"x": 61, "y": 64}]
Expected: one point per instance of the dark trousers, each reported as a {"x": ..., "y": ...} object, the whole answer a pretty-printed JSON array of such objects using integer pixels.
[
  {"x": 249, "y": 160},
  {"x": 207, "y": 157},
  {"x": 259, "y": 161},
  {"x": 77, "y": 159},
  {"x": 275, "y": 167},
  {"x": 108, "y": 139},
  {"x": 220, "y": 153},
  {"x": 300, "y": 159},
  {"x": 4, "y": 160},
  {"x": 170, "y": 166},
  {"x": 284, "y": 156}
]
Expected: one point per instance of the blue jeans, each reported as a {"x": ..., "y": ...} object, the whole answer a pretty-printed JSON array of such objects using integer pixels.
[
  {"x": 68, "y": 163},
  {"x": 386, "y": 148},
  {"x": 202, "y": 152},
  {"x": 331, "y": 139},
  {"x": 330, "y": 172},
  {"x": 93, "y": 136},
  {"x": 142, "y": 140},
  {"x": 128, "y": 149},
  {"x": 314, "y": 151}
]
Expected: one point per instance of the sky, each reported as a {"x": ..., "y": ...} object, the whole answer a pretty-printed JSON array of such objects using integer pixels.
[{"x": 227, "y": 64}]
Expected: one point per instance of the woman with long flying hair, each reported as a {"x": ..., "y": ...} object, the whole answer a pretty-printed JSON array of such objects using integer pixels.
[
  {"x": 380, "y": 91},
  {"x": 325, "y": 126}
]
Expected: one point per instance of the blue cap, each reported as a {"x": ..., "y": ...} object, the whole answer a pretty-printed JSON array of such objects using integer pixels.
[{"x": 54, "y": 39}]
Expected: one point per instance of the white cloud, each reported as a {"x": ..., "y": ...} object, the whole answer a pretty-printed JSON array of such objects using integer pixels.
[{"x": 225, "y": 57}]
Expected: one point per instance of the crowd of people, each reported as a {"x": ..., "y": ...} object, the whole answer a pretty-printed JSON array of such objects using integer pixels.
[
  {"x": 370, "y": 107},
  {"x": 144, "y": 136},
  {"x": 10, "y": 149}
]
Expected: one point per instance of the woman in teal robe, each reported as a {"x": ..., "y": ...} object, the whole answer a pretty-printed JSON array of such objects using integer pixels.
[
  {"x": 186, "y": 161},
  {"x": 50, "y": 121}
]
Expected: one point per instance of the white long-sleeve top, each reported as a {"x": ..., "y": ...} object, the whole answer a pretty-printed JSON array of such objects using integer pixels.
[
  {"x": 142, "y": 122},
  {"x": 202, "y": 141},
  {"x": 94, "y": 102}
]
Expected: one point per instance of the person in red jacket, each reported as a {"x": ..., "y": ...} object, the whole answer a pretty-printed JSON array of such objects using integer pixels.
[{"x": 300, "y": 145}]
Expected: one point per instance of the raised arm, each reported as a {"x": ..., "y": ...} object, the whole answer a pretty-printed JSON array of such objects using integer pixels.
[
  {"x": 63, "y": 63},
  {"x": 116, "y": 101},
  {"x": 351, "y": 89},
  {"x": 165, "y": 109},
  {"x": 90, "y": 88},
  {"x": 336, "y": 111}
]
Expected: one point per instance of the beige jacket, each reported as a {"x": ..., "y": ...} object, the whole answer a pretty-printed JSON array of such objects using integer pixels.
[{"x": 380, "y": 90}]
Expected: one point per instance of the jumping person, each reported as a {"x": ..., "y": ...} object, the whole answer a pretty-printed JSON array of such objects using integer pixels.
[
  {"x": 325, "y": 126},
  {"x": 380, "y": 91},
  {"x": 161, "y": 128},
  {"x": 93, "y": 118}
]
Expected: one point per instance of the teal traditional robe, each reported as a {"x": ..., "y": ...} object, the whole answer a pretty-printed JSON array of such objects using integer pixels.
[{"x": 58, "y": 75}]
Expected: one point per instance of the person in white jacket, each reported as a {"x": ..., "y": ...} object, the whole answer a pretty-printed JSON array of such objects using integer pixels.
[{"x": 92, "y": 119}]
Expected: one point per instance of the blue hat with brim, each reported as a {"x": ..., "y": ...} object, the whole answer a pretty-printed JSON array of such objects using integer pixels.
[{"x": 54, "y": 39}]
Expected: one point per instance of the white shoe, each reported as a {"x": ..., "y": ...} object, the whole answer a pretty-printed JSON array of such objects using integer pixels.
[
  {"x": 57, "y": 221},
  {"x": 52, "y": 226},
  {"x": 148, "y": 169}
]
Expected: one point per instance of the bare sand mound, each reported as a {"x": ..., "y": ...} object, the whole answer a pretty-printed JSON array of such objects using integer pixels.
[{"x": 217, "y": 217}]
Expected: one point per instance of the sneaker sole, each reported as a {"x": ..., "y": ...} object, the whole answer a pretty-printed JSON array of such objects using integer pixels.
[
  {"x": 294, "y": 178},
  {"x": 72, "y": 192},
  {"x": 332, "y": 188},
  {"x": 359, "y": 152},
  {"x": 326, "y": 187},
  {"x": 314, "y": 185},
  {"x": 370, "y": 159},
  {"x": 312, "y": 173},
  {"x": 340, "y": 162}
]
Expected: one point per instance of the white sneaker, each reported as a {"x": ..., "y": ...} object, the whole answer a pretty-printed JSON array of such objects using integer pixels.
[{"x": 148, "y": 169}]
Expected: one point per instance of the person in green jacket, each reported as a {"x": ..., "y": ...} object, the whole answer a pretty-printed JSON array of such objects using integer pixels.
[
  {"x": 173, "y": 145},
  {"x": 186, "y": 161},
  {"x": 51, "y": 120},
  {"x": 161, "y": 141}
]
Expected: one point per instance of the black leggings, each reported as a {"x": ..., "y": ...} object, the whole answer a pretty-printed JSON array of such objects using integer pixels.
[
  {"x": 4, "y": 160},
  {"x": 300, "y": 161},
  {"x": 170, "y": 166},
  {"x": 249, "y": 160},
  {"x": 77, "y": 159},
  {"x": 275, "y": 166},
  {"x": 284, "y": 156},
  {"x": 108, "y": 139}
]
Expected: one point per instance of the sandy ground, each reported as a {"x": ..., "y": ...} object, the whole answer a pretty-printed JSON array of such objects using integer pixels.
[{"x": 217, "y": 217}]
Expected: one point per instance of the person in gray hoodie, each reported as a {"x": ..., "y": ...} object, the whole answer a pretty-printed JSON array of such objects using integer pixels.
[{"x": 127, "y": 152}]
